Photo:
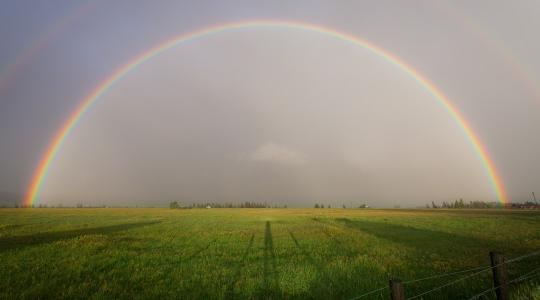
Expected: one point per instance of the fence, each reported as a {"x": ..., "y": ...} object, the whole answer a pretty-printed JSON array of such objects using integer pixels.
[{"x": 498, "y": 267}]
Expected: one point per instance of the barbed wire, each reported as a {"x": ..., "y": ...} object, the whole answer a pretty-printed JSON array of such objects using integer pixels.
[
  {"x": 422, "y": 279},
  {"x": 521, "y": 278},
  {"x": 480, "y": 271},
  {"x": 450, "y": 283},
  {"x": 369, "y": 293},
  {"x": 523, "y": 256},
  {"x": 445, "y": 274}
]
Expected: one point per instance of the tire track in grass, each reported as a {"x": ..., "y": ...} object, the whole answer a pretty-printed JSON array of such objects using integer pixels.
[
  {"x": 344, "y": 249},
  {"x": 229, "y": 294},
  {"x": 198, "y": 251},
  {"x": 321, "y": 268},
  {"x": 169, "y": 247},
  {"x": 196, "y": 274}
]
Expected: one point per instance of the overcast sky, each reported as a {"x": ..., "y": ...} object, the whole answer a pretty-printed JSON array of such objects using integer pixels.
[{"x": 270, "y": 114}]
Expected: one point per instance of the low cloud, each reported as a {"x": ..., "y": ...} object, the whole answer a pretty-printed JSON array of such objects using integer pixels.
[{"x": 274, "y": 153}]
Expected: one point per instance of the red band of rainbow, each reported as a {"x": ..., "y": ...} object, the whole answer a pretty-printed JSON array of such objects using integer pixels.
[{"x": 40, "y": 174}]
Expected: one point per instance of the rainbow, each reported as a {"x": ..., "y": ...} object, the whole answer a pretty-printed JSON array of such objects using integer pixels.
[
  {"x": 29, "y": 53},
  {"x": 518, "y": 68},
  {"x": 41, "y": 172}
]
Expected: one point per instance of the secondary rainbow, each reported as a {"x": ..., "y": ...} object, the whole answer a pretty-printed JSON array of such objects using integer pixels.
[
  {"x": 41, "y": 172},
  {"x": 493, "y": 43},
  {"x": 29, "y": 53}
]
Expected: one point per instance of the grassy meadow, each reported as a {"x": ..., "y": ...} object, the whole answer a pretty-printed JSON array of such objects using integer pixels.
[{"x": 257, "y": 253}]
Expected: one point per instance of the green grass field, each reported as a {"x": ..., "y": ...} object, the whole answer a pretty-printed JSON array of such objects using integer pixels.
[{"x": 257, "y": 253}]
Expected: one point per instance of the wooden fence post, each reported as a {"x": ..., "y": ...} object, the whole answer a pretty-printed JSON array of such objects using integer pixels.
[
  {"x": 397, "y": 291},
  {"x": 500, "y": 276}
]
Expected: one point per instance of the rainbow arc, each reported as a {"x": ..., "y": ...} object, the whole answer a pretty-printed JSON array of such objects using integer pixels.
[{"x": 48, "y": 158}]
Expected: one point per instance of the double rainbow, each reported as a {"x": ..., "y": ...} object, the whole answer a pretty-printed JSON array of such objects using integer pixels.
[
  {"x": 23, "y": 59},
  {"x": 48, "y": 158}
]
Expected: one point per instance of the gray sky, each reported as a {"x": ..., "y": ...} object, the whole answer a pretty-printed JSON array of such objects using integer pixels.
[{"x": 270, "y": 114}]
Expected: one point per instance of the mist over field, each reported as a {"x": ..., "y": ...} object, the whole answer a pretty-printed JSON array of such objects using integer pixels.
[
  {"x": 270, "y": 113},
  {"x": 267, "y": 115}
]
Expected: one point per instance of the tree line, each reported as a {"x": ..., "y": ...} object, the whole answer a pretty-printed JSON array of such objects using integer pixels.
[
  {"x": 246, "y": 204},
  {"x": 482, "y": 204}
]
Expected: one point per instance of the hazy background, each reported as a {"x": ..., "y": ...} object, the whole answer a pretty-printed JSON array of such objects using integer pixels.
[{"x": 270, "y": 114}]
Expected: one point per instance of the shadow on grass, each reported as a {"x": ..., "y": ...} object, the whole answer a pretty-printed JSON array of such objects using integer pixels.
[
  {"x": 420, "y": 239},
  {"x": 230, "y": 288},
  {"x": 324, "y": 285},
  {"x": 271, "y": 283},
  {"x": 424, "y": 242},
  {"x": 18, "y": 242},
  {"x": 456, "y": 250},
  {"x": 339, "y": 246},
  {"x": 318, "y": 265}
]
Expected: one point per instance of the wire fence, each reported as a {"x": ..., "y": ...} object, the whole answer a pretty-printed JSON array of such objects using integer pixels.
[
  {"x": 523, "y": 277},
  {"x": 369, "y": 293},
  {"x": 446, "y": 274},
  {"x": 479, "y": 270}
]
